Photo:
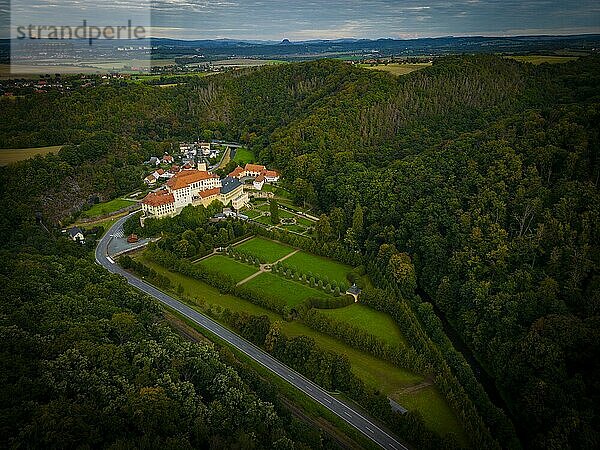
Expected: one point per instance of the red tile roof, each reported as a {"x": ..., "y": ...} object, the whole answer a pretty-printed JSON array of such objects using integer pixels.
[
  {"x": 209, "y": 192},
  {"x": 236, "y": 172},
  {"x": 271, "y": 173},
  {"x": 159, "y": 198},
  {"x": 260, "y": 179},
  {"x": 185, "y": 178},
  {"x": 254, "y": 168}
]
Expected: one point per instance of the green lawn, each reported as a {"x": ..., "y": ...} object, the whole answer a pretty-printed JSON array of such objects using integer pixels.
[
  {"x": 264, "y": 220},
  {"x": 378, "y": 324},
  {"x": 434, "y": 410},
  {"x": 265, "y": 249},
  {"x": 263, "y": 207},
  {"x": 323, "y": 267},
  {"x": 100, "y": 209},
  {"x": 223, "y": 264},
  {"x": 243, "y": 156},
  {"x": 252, "y": 213},
  {"x": 286, "y": 214},
  {"x": 374, "y": 372},
  {"x": 296, "y": 228},
  {"x": 304, "y": 221},
  {"x": 290, "y": 292}
]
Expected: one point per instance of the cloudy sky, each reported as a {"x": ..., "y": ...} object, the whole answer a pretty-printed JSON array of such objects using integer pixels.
[{"x": 328, "y": 19}]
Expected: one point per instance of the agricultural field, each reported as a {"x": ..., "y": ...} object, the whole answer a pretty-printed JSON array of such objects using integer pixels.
[
  {"x": 396, "y": 68},
  {"x": 541, "y": 59},
  {"x": 101, "y": 209},
  {"x": 243, "y": 156},
  {"x": 291, "y": 292},
  {"x": 266, "y": 249},
  {"x": 323, "y": 267},
  {"x": 12, "y": 155},
  {"x": 246, "y": 62},
  {"x": 223, "y": 264},
  {"x": 378, "y": 324}
]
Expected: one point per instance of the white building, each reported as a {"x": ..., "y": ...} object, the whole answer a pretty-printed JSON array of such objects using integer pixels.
[
  {"x": 76, "y": 235},
  {"x": 256, "y": 171},
  {"x": 258, "y": 182}
]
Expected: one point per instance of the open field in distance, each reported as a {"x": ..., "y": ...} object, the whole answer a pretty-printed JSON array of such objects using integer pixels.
[
  {"x": 541, "y": 59},
  {"x": 396, "y": 68},
  {"x": 12, "y": 155}
]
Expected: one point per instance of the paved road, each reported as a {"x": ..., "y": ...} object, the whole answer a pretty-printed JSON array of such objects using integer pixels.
[{"x": 342, "y": 410}]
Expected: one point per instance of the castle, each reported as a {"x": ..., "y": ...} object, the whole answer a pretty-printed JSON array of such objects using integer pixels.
[{"x": 200, "y": 187}]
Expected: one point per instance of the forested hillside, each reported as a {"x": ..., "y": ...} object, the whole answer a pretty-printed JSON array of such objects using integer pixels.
[{"x": 484, "y": 170}]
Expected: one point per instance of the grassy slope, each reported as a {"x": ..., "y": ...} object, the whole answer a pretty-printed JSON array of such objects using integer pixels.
[
  {"x": 243, "y": 156},
  {"x": 374, "y": 372},
  {"x": 292, "y": 292},
  {"x": 264, "y": 248},
  {"x": 374, "y": 322},
  {"x": 237, "y": 270},
  {"x": 106, "y": 207},
  {"x": 12, "y": 155},
  {"x": 318, "y": 265}
]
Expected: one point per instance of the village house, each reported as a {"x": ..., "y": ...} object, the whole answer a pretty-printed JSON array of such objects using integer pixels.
[
  {"x": 258, "y": 182},
  {"x": 76, "y": 234},
  {"x": 167, "y": 159},
  {"x": 260, "y": 174},
  {"x": 153, "y": 161},
  {"x": 150, "y": 180}
]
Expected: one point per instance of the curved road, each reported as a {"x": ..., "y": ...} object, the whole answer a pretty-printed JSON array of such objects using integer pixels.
[{"x": 342, "y": 410}]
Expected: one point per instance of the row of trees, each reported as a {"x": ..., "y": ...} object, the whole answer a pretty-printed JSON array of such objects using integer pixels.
[{"x": 333, "y": 372}]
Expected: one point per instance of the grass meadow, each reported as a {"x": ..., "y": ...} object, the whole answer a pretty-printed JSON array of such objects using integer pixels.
[
  {"x": 12, "y": 155},
  {"x": 223, "y": 264},
  {"x": 243, "y": 156},
  {"x": 265, "y": 249},
  {"x": 100, "y": 209},
  {"x": 378, "y": 324},
  {"x": 291, "y": 292},
  {"x": 397, "y": 68},
  {"x": 541, "y": 59},
  {"x": 322, "y": 267}
]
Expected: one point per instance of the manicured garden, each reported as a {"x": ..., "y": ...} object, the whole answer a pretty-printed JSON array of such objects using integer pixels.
[
  {"x": 291, "y": 292},
  {"x": 264, "y": 249},
  {"x": 322, "y": 267},
  {"x": 374, "y": 372},
  {"x": 223, "y": 264},
  {"x": 378, "y": 324}
]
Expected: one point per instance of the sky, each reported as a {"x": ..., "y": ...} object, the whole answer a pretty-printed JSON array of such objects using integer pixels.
[{"x": 318, "y": 19}]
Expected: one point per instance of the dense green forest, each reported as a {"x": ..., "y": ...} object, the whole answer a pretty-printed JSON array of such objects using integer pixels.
[{"x": 483, "y": 170}]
